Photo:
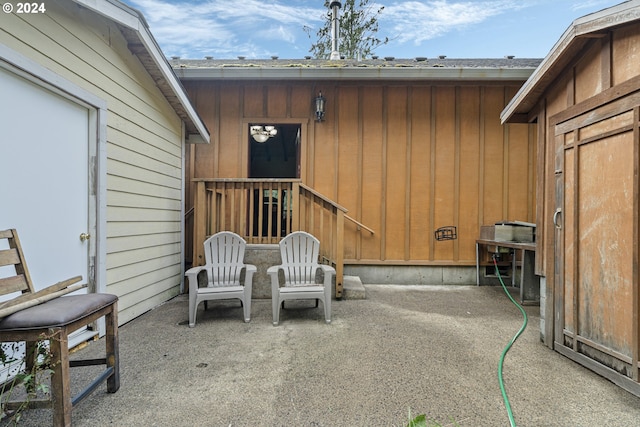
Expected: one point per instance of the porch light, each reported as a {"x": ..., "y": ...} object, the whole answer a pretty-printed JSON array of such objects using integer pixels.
[
  {"x": 320, "y": 100},
  {"x": 263, "y": 133}
]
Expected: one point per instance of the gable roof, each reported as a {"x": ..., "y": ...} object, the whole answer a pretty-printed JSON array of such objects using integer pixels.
[
  {"x": 142, "y": 44},
  {"x": 423, "y": 69},
  {"x": 570, "y": 43}
]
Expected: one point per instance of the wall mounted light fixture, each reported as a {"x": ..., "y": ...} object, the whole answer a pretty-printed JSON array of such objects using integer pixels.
[
  {"x": 320, "y": 101},
  {"x": 262, "y": 133}
]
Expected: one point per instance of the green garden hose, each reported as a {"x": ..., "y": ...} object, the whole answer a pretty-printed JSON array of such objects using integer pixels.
[{"x": 506, "y": 349}]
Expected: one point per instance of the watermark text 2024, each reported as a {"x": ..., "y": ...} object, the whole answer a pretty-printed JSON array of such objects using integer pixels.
[{"x": 24, "y": 8}]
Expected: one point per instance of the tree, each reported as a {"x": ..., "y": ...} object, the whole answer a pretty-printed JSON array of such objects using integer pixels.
[{"x": 358, "y": 31}]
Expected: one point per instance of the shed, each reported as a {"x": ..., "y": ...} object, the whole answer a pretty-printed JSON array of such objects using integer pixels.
[
  {"x": 94, "y": 129},
  {"x": 405, "y": 147},
  {"x": 584, "y": 99}
]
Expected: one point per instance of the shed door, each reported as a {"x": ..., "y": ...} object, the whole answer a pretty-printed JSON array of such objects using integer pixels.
[
  {"x": 596, "y": 300},
  {"x": 44, "y": 178}
]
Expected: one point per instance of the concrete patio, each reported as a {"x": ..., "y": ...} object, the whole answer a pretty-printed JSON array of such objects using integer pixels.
[{"x": 424, "y": 349}]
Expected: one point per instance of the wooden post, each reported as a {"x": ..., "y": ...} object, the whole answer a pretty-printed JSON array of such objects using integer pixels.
[
  {"x": 112, "y": 348},
  {"x": 199, "y": 223},
  {"x": 339, "y": 251},
  {"x": 60, "y": 381},
  {"x": 295, "y": 206}
]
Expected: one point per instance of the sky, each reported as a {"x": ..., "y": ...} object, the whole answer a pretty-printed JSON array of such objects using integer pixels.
[{"x": 226, "y": 29}]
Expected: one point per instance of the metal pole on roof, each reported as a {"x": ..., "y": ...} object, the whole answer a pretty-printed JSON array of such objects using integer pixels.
[{"x": 335, "y": 29}]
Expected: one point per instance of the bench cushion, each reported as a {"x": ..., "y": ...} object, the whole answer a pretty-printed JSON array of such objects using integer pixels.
[{"x": 57, "y": 312}]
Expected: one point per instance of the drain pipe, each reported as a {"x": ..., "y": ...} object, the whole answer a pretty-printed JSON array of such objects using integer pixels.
[{"x": 335, "y": 29}]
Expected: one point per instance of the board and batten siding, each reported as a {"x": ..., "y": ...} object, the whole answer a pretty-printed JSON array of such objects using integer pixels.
[
  {"x": 144, "y": 148},
  {"x": 403, "y": 157}
]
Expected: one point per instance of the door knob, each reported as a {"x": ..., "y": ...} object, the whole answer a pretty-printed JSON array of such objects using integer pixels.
[{"x": 84, "y": 236}]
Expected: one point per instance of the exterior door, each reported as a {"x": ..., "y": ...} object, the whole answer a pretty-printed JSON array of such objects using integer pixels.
[
  {"x": 45, "y": 146},
  {"x": 597, "y": 296},
  {"x": 45, "y": 178}
]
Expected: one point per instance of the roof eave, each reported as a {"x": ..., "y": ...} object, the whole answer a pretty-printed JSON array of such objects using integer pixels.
[
  {"x": 353, "y": 73},
  {"x": 142, "y": 43},
  {"x": 571, "y": 42}
]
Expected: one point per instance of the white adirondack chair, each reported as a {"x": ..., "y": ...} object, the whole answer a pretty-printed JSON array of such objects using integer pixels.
[
  {"x": 299, "y": 251},
  {"x": 224, "y": 256}
]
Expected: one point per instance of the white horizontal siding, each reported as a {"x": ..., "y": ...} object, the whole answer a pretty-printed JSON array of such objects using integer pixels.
[
  {"x": 122, "y": 199},
  {"x": 133, "y": 256},
  {"x": 145, "y": 298},
  {"x": 144, "y": 148},
  {"x": 119, "y": 276},
  {"x": 140, "y": 173},
  {"x": 152, "y": 243},
  {"x": 123, "y": 141},
  {"x": 140, "y": 215},
  {"x": 126, "y": 185}
]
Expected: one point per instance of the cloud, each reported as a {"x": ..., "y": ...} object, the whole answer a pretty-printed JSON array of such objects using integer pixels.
[
  {"x": 279, "y": 32},
  {"x": 591, "y": 4},
  {"x": 195, "y": 28},
  {"x": 420, "y": 21}
]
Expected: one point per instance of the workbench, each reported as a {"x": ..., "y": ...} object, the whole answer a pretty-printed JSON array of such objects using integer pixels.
[{"x": 529, "y": 282}]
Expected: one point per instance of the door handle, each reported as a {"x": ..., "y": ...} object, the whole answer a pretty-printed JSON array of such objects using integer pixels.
[
  {"x": 84, "y": 237},
  {"x": 555, "y": 218}
]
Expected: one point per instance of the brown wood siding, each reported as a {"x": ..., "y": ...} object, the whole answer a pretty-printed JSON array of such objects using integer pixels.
[
  {"x": 518, "y": 190},
  {"x": 324, "y": 154},
  {"x": 403, "y": 158},
  {"x": 253, "y": 100},
  {"x": 420, "y": 165},
  {"x": 373, "y": 161},
  {"x": 349, "y": 152},
  {"x": 588, "y": 73},
  {"x": 625, "y": 54},
  {"x": 395, "y": 172},
  {"x": 443, "y": 172},
  {"x": 277, "y": 101},
  {"x": 493, "y": 157},
  {"x": 468, "y": 174},
  {"x": 300, "y": 98},
  {"x": 229, "y": 161}
]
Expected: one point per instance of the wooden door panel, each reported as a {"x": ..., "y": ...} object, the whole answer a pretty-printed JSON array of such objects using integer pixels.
[
  {"x": 605, "y": 239},
  {"x": 596, "y": 296},
  {"x": 568, "y": 279}
]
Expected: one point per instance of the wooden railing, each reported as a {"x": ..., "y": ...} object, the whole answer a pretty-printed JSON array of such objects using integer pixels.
[{"x": 263, "y": 211}]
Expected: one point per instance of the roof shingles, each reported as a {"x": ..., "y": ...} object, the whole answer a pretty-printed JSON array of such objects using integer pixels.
[{"x": 489, "y": 63}]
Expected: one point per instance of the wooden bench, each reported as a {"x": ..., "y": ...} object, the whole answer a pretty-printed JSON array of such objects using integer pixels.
[{"x": 46, "y": 314}]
